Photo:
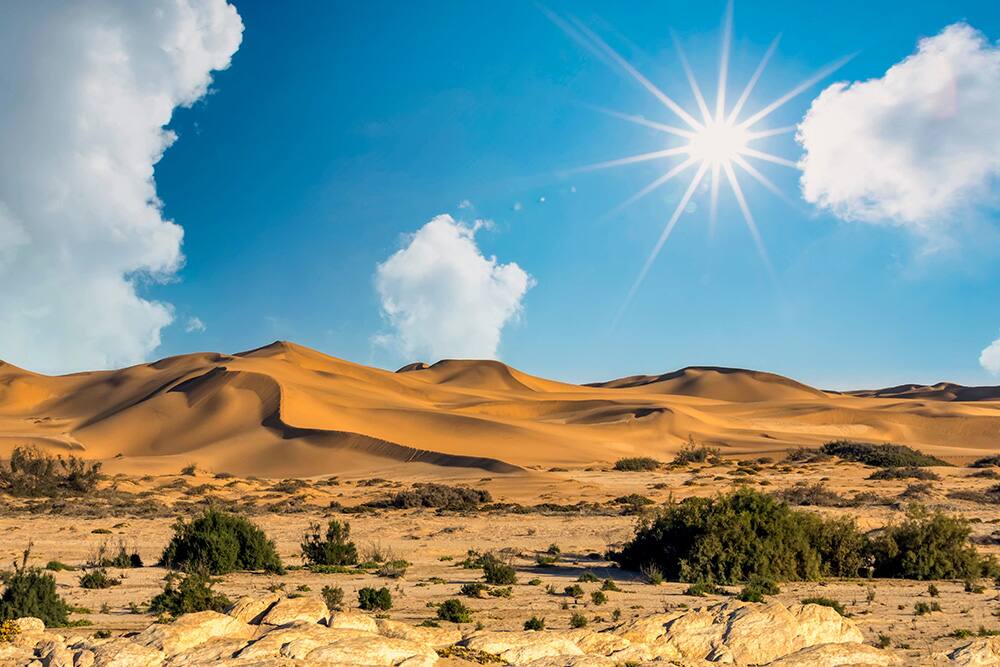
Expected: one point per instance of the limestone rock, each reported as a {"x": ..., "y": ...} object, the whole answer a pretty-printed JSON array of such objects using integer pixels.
[
  {"x": 83, "y": 658},
  {"x": 975, "y": 653},
  {"x": 523, "y": 647},
  {"x": 212, "y": 652},
  {"x": 373, "y": 651},
  {"x": 433, "y": 637},
  {"x": 29, "y": 625},
  {"x": 273, "y": 644},
  {"x": 288, "y": 610},
  {"x": 192, "y": 630},
  {"x": 819, "y": 624},
  {"x": 250, "y": 609},
  {"x": 126, "y": 653},
  {"x": 841, "y": 654},
  {"x": 352, "y": 620}
]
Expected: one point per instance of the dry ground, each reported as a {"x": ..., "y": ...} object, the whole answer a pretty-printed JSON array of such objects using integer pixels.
[{"x": 140, "y": 512}]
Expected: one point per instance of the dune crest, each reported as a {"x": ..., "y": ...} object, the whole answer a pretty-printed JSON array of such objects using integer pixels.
[{"x": 285, "y": 409}]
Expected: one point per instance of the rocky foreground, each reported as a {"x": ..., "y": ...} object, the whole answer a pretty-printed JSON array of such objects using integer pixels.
[{"x": 282, "y": 631}]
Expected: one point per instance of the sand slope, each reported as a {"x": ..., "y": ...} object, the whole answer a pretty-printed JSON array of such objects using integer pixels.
[{"x": 285, "y": 409}]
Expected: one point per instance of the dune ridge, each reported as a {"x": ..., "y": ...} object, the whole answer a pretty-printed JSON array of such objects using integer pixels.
[{"x": 287, "y": 410}]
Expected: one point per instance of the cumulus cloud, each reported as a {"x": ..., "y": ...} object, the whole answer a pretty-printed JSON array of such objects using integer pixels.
[
  {"x": 443, "y": 298},
  {"x": 990, "y": 357},
  {"x": 86, "y": 89},
  {"x": 915, "y": 146},
  {"x": 194, "y": 325}
]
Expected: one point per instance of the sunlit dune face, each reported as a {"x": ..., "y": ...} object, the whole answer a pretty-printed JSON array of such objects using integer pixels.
[{"x": 718, "y": 144}]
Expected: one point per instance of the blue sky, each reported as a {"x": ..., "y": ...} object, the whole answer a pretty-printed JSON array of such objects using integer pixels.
[{"x": 340, "y": 129}]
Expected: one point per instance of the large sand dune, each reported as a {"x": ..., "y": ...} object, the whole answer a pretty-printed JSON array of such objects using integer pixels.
[{"x": 288, "y": 410}]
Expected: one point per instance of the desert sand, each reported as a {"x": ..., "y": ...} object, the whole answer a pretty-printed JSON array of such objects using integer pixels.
[{"x": 286, "y": 410}]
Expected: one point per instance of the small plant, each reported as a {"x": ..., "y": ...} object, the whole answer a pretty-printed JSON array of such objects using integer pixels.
[
  {"x": 616, "y": 615},
  {"x": 534, "y": 623},
  {"x": 610, "y": 585},
  {"x": 652, "y": 573},
  {"x": 884, "y": 641},
  {"x": 908, "y": 472},
  {"x": 703, "y": 588},
  {"x": 933, "y": 591},
  {"x": 31, "y": 472},
  {"x": 637, "y": 464},
  {"x": 189, "y": 470},
  {"x": 588, "y": 578},
  {"x": 30, "y": 591},
  {"x": 598, "y": 597},
  {"x": 574, "y": 591},
  {"x": 393, "y": 569},
  {"x": 546, "y": 559},
  {"x": 986, "y": 462},
  {"x": 441, "y": 496},
  {"x": 332, "y": 548},
  {"x": 756, "y": 589},
  {"x": 501, "y": 592},
  {"x": 577, "y": 620},
  {"x": 333, "y": 596},
  {"x": 184, "y": 595},
  {"x": 826, "y": 602},
  {"x": 498, "y": 572},
  {"x": 98, "y": 578},
  {"x": 9, "y": 631},
  {"x": 56, "y": 566},
  {"x": 454, "y": 611},
  {"x": 535, "y": 582},
  {"x": 474, "y": 589},
  {"x": 694, "y": 453},
  {"x": 218, "y": 542},
  {"x": 973, "y": 587},
  {"x": 880, "y": 456},
  {"x": 371, "y": 599},
  {"x": 922, "y": 608}
]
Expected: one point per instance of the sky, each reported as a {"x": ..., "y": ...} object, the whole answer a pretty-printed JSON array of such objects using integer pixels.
[{"x": 391, "y": 182}]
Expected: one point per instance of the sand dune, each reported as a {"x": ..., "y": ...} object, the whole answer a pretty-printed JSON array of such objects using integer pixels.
[{"x": 285, "y": 409}]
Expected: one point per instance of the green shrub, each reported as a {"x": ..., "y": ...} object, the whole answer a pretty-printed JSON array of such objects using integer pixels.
[
  {"x": 880, "y": 456},
  {"x": 456, "y": 498},
  {"x": 756, "y": 589},
  {"x": 598, "y": 597},
  {"x": 30, "y": 591},
  {"x": 121, "y": 556},
  {"x": 475, "y": 589},
  {"x": 454, "y": 611},
  {"x": 32, "y": 472},
  {"x": 826, "y": 602},
  {"x": 498, "y": 572},
  {"x": 371, "y": 599},
  {"x": 217, "y": 542},
  {"x": 744, "y": 534},
  {"x": 534, "y": 623},
  {"x": 818, "y": 495},
  {"x": 922, "y": 608},
  {"x": 577, "y": 620},
  {"x": 609, "y": 585},
  {"x": 588, "y": 578},
  {"x": 333, "y": 548},
  {"x": 637, "y": 464},
  {"x": 908, "y": 472},
  {"x": 692, "y": 453},
  {"x": 56, "y": 566},
  {"x": 98, "y": 578},
  {"x": 574, "y": 591},
  {"x": 546, "y": 559},
  {"x": 501, "y": 592},
  {"x": 703, "y": 588},
  {"x": 986, "y": 462},
  {"x": 806, "y": 455},
  {"x": 184, "y": 595},
  {"x": 333, "y": 596},
  {"x": 929, "y": 546}
]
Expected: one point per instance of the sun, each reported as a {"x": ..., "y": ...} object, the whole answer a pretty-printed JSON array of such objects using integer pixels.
[
  {"x": 718, "y": 143},
  {"x": 715, "y": 142}
]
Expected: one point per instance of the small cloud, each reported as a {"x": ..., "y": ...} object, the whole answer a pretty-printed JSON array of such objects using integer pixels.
[
  {"x": 572, "y": 189},
  {"x": 541, "y": 200},
  {"x": 913, "y": 147},
  {"x": 990, "y": 357},
  {"x": 517, "y": 206},
  {"x": 464, "y": 205},
  {"x": 443, "y": 298},
  {"x": 194, "y": 325}
]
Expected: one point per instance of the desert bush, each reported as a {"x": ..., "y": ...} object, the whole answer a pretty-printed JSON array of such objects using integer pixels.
[
  {"x": 333, "y": 548},
  {"x": 393, "y": 569},
  {"x": 986, "y": 462},
  {"x": 441, "y": 496},
  {"x": 928, "y": 545},
  {"x": 475, "y": 589},
  {"x": 32, "y": 472},
  {"x": 574, "y": 591},
  {"x": 588, "y": 578},
  {"x": 546, "y": 559},
  {"x": 371, "y": 599},
  {"x": 218, "y": 542},
  {"x": 989, "y": 496},
  {"x": 880, "y": 456},
  {"x": 534, "y": 623},
  {"x": 694, "y": 453},
  {"x": 120, "y": 556},
  {"x": 577, "y": 620},
  {"x": 598, "y": 597},
  {"x": 333, "y": 596},
  {"x": 454, "y": 611},
  {"x": 818, "y": 495},
  {"x": 702, "y": 588},
  {"x": 744, "y": 534},
  {"x": 637, "y": 464},
  {"x": 187, "y": 594},
  {"x": 826, "y": 602},
  {"x": 98, "y": 578},
  {"x": 806, "y": 455},
  {"x": 633, "y": 500},
  {"x": 30, "y": 591},
  {"x": 907, "y": 472},
  {"x": 497, "y": 572},
  {"x": 610, "y": 585}
]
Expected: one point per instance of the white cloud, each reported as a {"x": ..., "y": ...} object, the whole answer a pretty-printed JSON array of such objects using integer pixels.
[
  {"x": 914, "y": 146},
  {"x": 443, "y": 298},
  {"x": 88, "y": 88},
  {"x": 990, "y": 357},
  {"x": 194, "y": 325}
]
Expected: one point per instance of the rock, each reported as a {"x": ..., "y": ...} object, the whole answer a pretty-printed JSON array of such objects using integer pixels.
[
  {"x": 126, "y": 653},
  {"x": 975, "y": 653},
  {"x": 840, "y": 654},
  {"x": 251, "y": 609},
  {"x": 759, "y": 633},
  {"x": 192, "y": 630},
  {"x": 273, "y": 643},
  {"x": 433, "y": 637},
  {"x": 373, "y": 650},
  {"x": 12, "y": 654},
  {"x": 574, "y": 661},
  {"x": 57, "y": 656},
  {"x": 83, "y": 658},
  {"x": 523, "y": 647},
  {"x": 819, "y": 624},
  {"x": 29, "y": 625},
  {"x": 288, "y": 610},
  {"x": 212, "y": 652},
  {"x": 353, "y": 620}
]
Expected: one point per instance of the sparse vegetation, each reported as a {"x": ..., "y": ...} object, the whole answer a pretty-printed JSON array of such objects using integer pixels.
[
  {"x": 498, "y": 572},
  {"x": 534, "y": 623},
  {"x": 694, "y": 453},
  {"x": 333, "y": 596},
  {"x": 986, "y": 462},
  {"x": 454, "y": 611},
  {"x": 577, "y": 620},
  {"x": 332, "y": 548},
  {"x": 98, "y": 578},
  {"x": 880, "y": 456},
  {"x": 637, "y": 464},
  {"x": 818, "y": 495},
  {"x": 826, "y": 602},
  {"x": 34, "y": 473},
  {"x": 907, "y": 472},
  {"x": 30, "y": 591},
  {"x": 702, "y": 588},
  {"x": 217, "y": 542},
  {"x": 441, "y": 496}
]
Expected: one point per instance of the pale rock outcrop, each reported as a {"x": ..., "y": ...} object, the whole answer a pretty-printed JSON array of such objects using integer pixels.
[
  {"x": 212, "y": 652},
  {"x": 844, "y": 654},
  {"x": 373, "y": 651},
  {"x": 979, "y": 652},
  {"x": 352, "y": 620},
  {"x": 126, "y": 653},
  {"x": 819, "y": 624},
  {"x": 523, "y": 647},
  {"x": 434, "y": 637},
  {"x": 192, "y": 630},
  {"x": 301, "y": 633},
  {"x": 288, "y": 610},
  {"x": 250, "y": 609}
]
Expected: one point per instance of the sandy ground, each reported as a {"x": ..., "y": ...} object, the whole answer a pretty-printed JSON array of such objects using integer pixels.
[{"x": 435, "y": 542}]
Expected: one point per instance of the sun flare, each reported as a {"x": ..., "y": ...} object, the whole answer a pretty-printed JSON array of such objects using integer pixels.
[{"x": 718, "y": 143}]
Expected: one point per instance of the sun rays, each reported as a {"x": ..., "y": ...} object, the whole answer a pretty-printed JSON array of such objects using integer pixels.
[{"x": 716, "y": 143}]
